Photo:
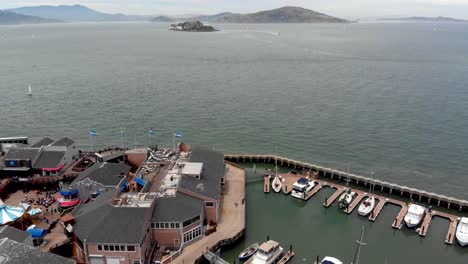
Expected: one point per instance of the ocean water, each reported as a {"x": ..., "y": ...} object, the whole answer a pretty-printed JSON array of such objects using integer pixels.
[{"x": 387, "y": 96}]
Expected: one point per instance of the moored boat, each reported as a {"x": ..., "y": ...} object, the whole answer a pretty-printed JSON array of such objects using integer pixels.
[
  {"x": 267, "y": 253},
  {"x": 302, "y": 187},
  {"x": 331, "y": 260},
  {"x": 276, "y": 184},
  {"x": 367, "y": 206},
  {"x": 346, "y": 198},
  {"x": 248, "y": 252},
  {"x": 462, "y": 231},
  {"x": 414, "y": 215}
]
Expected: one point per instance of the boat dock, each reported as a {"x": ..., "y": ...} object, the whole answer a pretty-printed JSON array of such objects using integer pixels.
[
  {"x": 353, "y": 179},
  {"x": 266, "y": 185},
  {"x": 286, "y": 257},
  {"x": 381, "y": 201}
]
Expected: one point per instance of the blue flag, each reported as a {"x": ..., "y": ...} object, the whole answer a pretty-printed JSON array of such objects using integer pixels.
[
  {"x": 123, "y": 132},
  {"x": 93, "y": 132},
  {"x": 178, "y": 134}
]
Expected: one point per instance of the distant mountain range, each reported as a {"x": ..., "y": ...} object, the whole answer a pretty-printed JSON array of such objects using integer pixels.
[
  {"x": 10, "y": 18},
  {"x": 426, "y": 19},
  {"x": 287, "y": 14},
  {"x": 72, "y": 13}
]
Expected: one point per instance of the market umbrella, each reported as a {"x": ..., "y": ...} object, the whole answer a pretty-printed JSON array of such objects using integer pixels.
[
  {"x": 34, "y": 211},
  {"x": 9, "y": 213}
]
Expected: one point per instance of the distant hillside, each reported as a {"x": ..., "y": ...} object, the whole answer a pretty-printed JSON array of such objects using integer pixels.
[
  {"x": 287, "y": 14},
  {"x": 427, "y": 19},
  {"x": 10, "y": 18},
  {"x": 162, "y": 19},
  {"x": 72, "y": 13},
  {"x": 214, "y": 17}
]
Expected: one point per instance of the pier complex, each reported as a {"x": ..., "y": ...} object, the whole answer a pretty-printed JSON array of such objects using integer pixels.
[{"x": 322, "y": 177}]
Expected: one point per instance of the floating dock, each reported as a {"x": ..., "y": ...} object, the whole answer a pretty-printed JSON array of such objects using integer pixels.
[{"x": 287, "y": 257}]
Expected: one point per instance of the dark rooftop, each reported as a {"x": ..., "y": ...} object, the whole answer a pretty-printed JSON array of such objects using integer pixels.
[
  {"x": 100, "y": 222},
  {"x": 177, "y": 208},
  {"x": 43, "y": 142},
  {"x": 48, "y": 159},
  {"x": 21, "y": 153},
  {"x": 214, "y": 169},
  {"x": 14, "y": 234},
  {"x": 12, "y": 252},
  {"x": 66, "y": 142},
  {"x": 108, "y": 174}
]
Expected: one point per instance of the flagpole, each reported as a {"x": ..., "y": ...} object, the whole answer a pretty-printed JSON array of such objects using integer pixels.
[{"x": 174, "y": 141}]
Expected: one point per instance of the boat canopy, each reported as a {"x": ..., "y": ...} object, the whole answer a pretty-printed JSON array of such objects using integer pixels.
[
  {"x": 37, "y": 233},
  {"x": 65, "y": 192},
  {"x": 303, "y": 181},
  {"x": 140, "y": 181}
]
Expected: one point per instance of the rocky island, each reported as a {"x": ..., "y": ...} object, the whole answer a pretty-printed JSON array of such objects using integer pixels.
[{"x": 195, "y": 26}]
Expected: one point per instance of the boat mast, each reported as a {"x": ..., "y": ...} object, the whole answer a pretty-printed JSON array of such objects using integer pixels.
[
  {"x": 370, "y": 185},
  {"x": 276, "y": 161},
  {"x": 358, "y": 249}
]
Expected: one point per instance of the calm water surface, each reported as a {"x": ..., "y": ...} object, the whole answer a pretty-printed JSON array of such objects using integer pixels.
[{"x": 386, "y": 96}]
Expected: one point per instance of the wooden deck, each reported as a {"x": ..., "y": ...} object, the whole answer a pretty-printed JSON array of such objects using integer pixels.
[
  {"x": 266, "y": 184},
  {"x": 231, "y": 222},
  {"x": 330, "y": 200},
  {"x": 427, "y": 222},
  {"x": 315, "y": 190},
  {"x": 287, "y": 257}
]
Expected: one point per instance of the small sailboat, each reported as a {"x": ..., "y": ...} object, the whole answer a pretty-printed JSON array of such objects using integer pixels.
[
  {"x": 331, "y": 260},
  {"x": 346, "y": 198},
  {"x": 462, "y": 231},
  {"x": 369, "y": 203},
  {"x": 276, "y": 184},
  {"x": 414, "y": 215},
  {"x": 248, "y": 252},
  {"x": 29, "y": 91}
]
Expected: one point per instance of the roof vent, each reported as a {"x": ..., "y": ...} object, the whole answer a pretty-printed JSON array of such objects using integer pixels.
[{"x": 200, "y": 187}]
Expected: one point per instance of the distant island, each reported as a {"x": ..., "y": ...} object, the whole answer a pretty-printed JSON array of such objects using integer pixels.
[
  {"x": 426, "y": 19},
  {"x": 196, "y": 26},
  {"x": 287, "y": 14},
  {"x": 11, "y": 18}
]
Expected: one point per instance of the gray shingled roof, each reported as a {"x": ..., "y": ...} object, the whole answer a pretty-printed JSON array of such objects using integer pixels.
[
  {"x": 48, "y": 159},
  {"x": 100, "y": 222},
  {"x": 21, "y": 153},
  {"x": 14, "y": 234},
  {"x": 177, "y": 209},
  {"x": 214, "y": 169},
  {"x": 12, "y": 252},
  {"x": 43, "y": 142},
  {"x": 107, "y": 173},
  {"x": 66, "y": 142}
]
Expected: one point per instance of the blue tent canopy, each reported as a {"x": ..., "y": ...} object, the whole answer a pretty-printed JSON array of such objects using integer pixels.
[
  {"x": 64, "y": 192},
  {"x": 124, "y": 185},
  {"x": 140, "y": 181},
  {"x": 37, "y": 233}
]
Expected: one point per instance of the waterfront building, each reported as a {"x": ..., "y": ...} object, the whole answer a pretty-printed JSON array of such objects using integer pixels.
[
  {"x": 178, "y": 204},
  {"x": 44, "y": 158}
]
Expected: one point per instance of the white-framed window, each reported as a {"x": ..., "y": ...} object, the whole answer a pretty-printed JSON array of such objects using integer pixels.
[
  {"x": 165, "y": 225},
  {"x": 192, "y": 234},
  {"x": 115, "y": 248}
]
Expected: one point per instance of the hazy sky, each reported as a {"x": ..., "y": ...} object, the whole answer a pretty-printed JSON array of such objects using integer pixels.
[{"x": 342, "y": 8}]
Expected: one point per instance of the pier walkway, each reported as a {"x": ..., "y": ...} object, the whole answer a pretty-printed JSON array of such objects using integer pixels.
[
  {"x": 324, "y": 172},
  {"x": 231, "y": 224}
]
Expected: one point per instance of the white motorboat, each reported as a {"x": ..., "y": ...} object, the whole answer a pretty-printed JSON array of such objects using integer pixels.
[
  {"x": 302, "y": 187},
  {"x": 346, "y": 198},
  {"x": 276, "y": 184},
  {"x": 367, "y": 206},
  {"x": 268, "y": 252},
  {"x": 414, "y": 215},
  {"x": 331, "y": 260},
  {"x": 462, "y": 231}
]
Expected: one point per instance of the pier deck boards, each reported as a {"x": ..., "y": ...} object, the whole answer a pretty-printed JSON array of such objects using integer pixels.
[
  {"x": 398, "y": 222},
  {"x": 356, "y": 201},
  {"x": 266, "y": 184},
  {"x": 287, "y": 182},
  {"x": 315, "y": 190},
  {"x": 428, "y": 219},
  {"x": 377, "y": 209},
  {"x": 329, "y": 201},
  {"x": 286, "y": 257}
]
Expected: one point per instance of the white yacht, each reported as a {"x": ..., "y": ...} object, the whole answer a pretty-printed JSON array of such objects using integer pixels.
[
  {"x": 462, "y": 231},
  {"x": 331, "y": 260},
  {"x": 268, "y": 252},
  {"x": 277, "y": 184},
  {"x": 346, "y": 198},
  {"x": 414, "y": 215},
  {"x": 302, "y": 187},
  {"x": 368, "y": 205}
]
